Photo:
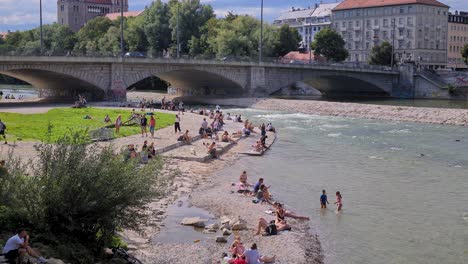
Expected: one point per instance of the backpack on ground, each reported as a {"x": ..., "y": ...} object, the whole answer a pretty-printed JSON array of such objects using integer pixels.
[{"x": 271, "y": 229}]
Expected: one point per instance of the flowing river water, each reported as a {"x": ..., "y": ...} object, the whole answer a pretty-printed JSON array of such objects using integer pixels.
[{"x": 404, "y": 185}]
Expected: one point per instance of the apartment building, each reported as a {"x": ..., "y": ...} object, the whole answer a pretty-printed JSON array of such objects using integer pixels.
[
  {"x": 308, "y": 22},
  {"x": 417, "y": 29},
  {"x": 75, "y": 13},
  {"x": 457, "y": 38}
]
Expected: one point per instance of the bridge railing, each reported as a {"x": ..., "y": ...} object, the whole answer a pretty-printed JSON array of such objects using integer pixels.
[{"x": 274, "y": 61}]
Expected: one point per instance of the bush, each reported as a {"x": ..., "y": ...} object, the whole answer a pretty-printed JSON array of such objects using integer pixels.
[
  {"x": 451, "y": 88},
  {"x": 76, "y": 196}
]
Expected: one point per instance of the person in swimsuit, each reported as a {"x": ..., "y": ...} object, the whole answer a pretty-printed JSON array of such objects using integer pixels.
[
  {"x": 280, "y": 220},
  {"x": 118, "y": 123},
  {"x": 152, "y": 126},
  {"x": 288, "y": 213},
  {"x": 244, "y": 186},
  {"x": 339, "y": 201},
  {"x": 323, "y": 200}
]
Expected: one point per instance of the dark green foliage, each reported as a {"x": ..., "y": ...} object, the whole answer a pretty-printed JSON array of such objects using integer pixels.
[
  {"x": 76, "y": 196},
  {"x": 464, "y": 52},
  {"x": 287, "y": 39},
  {"x": 330, "y": 44},
  {"x": 381, "y": 54}
]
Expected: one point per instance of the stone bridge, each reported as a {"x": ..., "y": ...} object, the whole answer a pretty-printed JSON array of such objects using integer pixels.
[{"x": 106, "y": 78}]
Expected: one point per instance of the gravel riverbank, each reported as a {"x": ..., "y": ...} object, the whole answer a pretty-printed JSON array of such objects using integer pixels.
[{"x": 443, "y": 116}]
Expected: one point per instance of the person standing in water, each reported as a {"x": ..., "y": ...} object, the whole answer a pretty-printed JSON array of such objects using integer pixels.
[
  {"x": 339, "y": 201},
  {"x": 323, "y": 200}
]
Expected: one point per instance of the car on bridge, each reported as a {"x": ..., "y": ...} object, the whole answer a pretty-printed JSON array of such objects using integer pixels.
[{"x": 135, "y": 54}]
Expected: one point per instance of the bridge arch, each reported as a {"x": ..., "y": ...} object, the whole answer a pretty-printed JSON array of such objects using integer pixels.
[
  {"x": 188, "y": 81},
  {"x": 56, "y": 85},
  {"x": 343, "y": 85}
]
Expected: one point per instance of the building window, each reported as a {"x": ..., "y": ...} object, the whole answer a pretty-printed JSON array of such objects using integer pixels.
[
  {"x": 400, "y": 32},
  {"x": 344, "y": 24},
  {"x": 402, "y": 10},
  {"x": 400, "y": 44},
  {"x": 62, "y": 8},
  {"x": 410, "y": 21},
  {"x": 350, "y": 24},
  {"x": 368, "y": 23},
  {"x": 357, "y": 23},
  {"x": 367, "y": 45},
  {"x": 385, "y": 22},
  {"x": 401, "y": 21},
  {"x": 376, "y": 22}
]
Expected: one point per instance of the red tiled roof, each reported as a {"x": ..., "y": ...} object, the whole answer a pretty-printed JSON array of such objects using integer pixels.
[
  {"x": 351, "y": 4},
  {"x": 300, "y": 56},
  {"x": 114, "y": 16},
  {"x": 101, "y": 2}
]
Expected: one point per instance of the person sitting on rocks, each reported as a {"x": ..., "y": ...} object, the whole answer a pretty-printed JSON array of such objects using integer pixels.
[
  {"x": 270, "y": 128},
  {"x": 18, "y": 245},
  {"x": 258, "y": 147},
  {"x": 254, "y": 257},
  {"x": 186, "y": 138},
  {"x": 226, "y": 138},
  {"x": 228, "y": 117},
  {"x": 244, "y": 185},
  {"x": 245, "y": 131},
  {"x": 212, "y": 150},
  {"x": 107, "y": 119},
  {"x": 237, "y": 248}
]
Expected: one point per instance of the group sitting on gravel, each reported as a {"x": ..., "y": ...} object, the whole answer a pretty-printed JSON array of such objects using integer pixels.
[{"x": 239, "y": 255}]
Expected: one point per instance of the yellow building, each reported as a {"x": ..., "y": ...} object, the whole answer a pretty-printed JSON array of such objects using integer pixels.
[{"x": 457, "y": 37}]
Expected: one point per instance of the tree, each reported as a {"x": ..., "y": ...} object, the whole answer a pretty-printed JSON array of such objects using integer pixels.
[
  {"x": 89, "y": 35},
  {"x": 287, "y": 39},
  {"x": 191, "y": 16},
  {"x": 156, "y": 27},
  {"x": 381, "y": 54},
  {"x": 330, "y": 44},
  {"x": 134, "y": 34},
  {"x": 76, "y": 196},
  {"x": 464, "y": 52},
  {"x": 110, "y": 42},
  {"x": 238, "y": 38}
]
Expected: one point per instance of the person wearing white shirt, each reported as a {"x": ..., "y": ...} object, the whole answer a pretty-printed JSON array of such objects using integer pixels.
[
  {"x": 18, "y": 245},
  {"x": 253, "y": 256}
]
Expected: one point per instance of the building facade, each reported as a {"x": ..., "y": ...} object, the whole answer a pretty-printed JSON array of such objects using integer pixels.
[
  {"x": 457, "y": 37},
  {"x": 417, "y": 29},
  {"x": 308, "y": 22},
  {"x": 75, "y": 13}
]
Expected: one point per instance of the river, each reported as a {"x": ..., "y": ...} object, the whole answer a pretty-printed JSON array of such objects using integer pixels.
[
  {"x": 404, "y": 185},
  {"x": 27, "y": 91}
]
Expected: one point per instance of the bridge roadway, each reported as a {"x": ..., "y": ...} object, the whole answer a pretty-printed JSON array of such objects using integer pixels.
[{"x": 109, "y": 77}]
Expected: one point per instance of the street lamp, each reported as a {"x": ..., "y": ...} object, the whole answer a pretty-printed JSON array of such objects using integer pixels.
[
  {"x": 122, "y": 48},
  {"x": 393, "y": 43},
  {"x": 261, "y": 33},
  {"x": 40, "y": 25},
  {"x": 177, "y": 31}
]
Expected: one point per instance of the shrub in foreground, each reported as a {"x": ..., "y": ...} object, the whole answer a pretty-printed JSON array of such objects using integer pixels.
[{"x": 75, "y": 196}]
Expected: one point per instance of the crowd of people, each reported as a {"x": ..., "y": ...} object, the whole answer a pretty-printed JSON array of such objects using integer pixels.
[{"x": 265, "y": 227}]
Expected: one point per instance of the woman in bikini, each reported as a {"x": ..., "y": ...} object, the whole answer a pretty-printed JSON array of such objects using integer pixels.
[{"x": 339, "y": 202}]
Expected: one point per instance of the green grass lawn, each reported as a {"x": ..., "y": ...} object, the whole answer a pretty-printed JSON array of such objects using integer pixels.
[{"x": 35, "y": 126}]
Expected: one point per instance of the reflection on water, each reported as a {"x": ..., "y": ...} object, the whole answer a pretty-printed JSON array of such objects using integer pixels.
[{"x": 404, "y": 185}]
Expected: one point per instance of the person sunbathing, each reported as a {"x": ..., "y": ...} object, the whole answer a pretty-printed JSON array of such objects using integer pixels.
[
  {"x": 244, "y": 186},
  {"x": 279, "y": 208}
]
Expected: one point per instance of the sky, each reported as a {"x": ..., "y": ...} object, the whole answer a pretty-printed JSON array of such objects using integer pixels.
[{"x": 24, "y": 14}]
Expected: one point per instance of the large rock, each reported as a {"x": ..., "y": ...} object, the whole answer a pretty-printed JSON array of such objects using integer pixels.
[
  {"x": 212, "y": 227},
  {"x": 239, "y": 225},
  {"x": 226, "y": 232},
  {"x": 221, "y": 239},
  {"x": 225, "y": 226},
  {"x": 225, "y": 220},
  {"x": 194, "y": 221}
]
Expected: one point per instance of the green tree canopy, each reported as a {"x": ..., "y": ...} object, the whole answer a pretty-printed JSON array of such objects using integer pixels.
[
  {"x": 381, "y": 54},
  {"x": 287, "y": 39},
  {"x": 464, "y": 52},
  {"x": 156, "y": 27},
  {"x": 191, "y": 16},
  {"x": 88, "y": 36},
  {"x": 330, "y": 44}
]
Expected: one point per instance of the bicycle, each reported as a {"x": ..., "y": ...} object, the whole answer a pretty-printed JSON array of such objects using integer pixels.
[{"x": 119, "y": 252}]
